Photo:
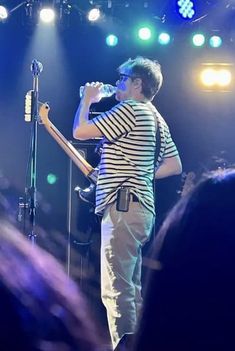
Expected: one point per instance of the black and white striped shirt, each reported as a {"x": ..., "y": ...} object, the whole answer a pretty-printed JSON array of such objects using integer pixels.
[{"x": 128, "y": 155}]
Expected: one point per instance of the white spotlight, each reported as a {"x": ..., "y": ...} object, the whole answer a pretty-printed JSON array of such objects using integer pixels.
[
  {"x": 208, "y": 77},
  {"x": 47, "y": 15},
  {"x": 3, "y": 13},
  {"x": 93, "y": 14}
]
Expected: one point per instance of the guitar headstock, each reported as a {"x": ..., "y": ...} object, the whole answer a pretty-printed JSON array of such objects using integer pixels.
[{"x": 44, "y": 109}]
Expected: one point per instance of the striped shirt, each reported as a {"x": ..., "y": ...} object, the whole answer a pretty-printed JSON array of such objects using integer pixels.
[{"x": 128, "y": 155}]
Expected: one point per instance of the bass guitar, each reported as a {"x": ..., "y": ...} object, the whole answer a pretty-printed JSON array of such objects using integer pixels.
[{"x": 91, "y": 173}]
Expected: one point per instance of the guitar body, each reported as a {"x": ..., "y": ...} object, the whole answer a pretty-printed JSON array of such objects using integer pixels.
[{"x": 87, "y": 194}]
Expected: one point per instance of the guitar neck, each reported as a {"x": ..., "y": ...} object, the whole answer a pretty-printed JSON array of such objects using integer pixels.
[{"x": 69, "y": 149}]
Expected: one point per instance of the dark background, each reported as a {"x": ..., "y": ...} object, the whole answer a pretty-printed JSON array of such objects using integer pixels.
[{"x": 202, "y": 123}]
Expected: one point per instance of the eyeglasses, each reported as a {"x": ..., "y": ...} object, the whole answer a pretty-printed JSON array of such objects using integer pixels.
[{"x": 123, "y": 77}]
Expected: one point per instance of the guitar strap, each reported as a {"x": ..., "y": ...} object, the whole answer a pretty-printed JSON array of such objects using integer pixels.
[
  {"x": 159, "y": 145},
  {"x": 158, "y": 140}
]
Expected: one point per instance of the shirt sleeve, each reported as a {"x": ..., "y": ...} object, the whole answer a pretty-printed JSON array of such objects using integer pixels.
[
  {"x": 167, "y": 146},
  {"x": 170, "y": 148},
  {"x": 116, "y": 122}
]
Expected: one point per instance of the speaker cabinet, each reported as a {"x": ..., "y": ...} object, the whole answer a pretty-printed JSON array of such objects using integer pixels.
[
  {"x": 83, "y": 249},
  {"x": 83, "y": 224}
]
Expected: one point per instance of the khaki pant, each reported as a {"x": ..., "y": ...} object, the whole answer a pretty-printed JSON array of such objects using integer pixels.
[{"x": 122, "y": 237}]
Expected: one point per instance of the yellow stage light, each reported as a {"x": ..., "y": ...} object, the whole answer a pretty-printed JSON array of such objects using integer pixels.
[{"x": 216, "y": 76}]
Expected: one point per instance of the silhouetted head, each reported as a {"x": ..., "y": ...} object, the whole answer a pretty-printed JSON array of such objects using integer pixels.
[
  {"x": 41, "y": 308},
  {"x": 189, "y": 302}
]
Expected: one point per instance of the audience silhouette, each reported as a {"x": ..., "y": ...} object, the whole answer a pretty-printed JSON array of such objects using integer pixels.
[
  {"x": 41, "y": 307},
  {"x": 189, "y": 300}
]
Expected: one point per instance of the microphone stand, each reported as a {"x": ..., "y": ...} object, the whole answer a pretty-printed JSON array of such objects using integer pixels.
[{"x": 31, "y": 192}]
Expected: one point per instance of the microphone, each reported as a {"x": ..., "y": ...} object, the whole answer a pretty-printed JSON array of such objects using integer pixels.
[{"x": 36, "y": 67}]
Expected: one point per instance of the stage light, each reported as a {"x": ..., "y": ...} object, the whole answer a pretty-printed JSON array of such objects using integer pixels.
[
  {"x": 224, "y": 77},
  {"x": 94, "y": 15},
  {"x": 144, "y": 33},
  {"x": 217, "y": 76},
  {"x": 3, "y": 13},
  {"x": 47, "y": 15},
  {"x": 186, "y": 8},
  {"x": 208, "y": 77},
  {"x": 64, "y": 12},
  {"x": 164, "y": 38},
  {"x": 198, "y": 39},
  {"x": 215, "y": 41},
  {"x": 111, "y": 40},
  {"x": 51, "y": 178}
]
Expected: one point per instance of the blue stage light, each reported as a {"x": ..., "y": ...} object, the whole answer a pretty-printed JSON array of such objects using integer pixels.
[
  {"x": 111, "y": 40},
  {"x": 186, "y": 8},
  {"x": 215, "y": 41},
  {"x": 164, "y": 38},
  {"x": 145, "y": 33},
  {"x": 198, "y": 39}
]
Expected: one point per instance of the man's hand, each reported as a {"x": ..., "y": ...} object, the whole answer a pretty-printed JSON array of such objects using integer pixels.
[
  {"x": 92, "y": 92},
  {"x": 83, "y": 128}
]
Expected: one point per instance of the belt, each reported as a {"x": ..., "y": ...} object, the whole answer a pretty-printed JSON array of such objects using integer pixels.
[{"x": 134, "y": 198}]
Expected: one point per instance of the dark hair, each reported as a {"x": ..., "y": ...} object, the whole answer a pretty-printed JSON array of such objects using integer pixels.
[
  {"x": 41, "y": 308},
  {"x": 148, "y": 71},
  {"x": 189, "y": 300}
]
